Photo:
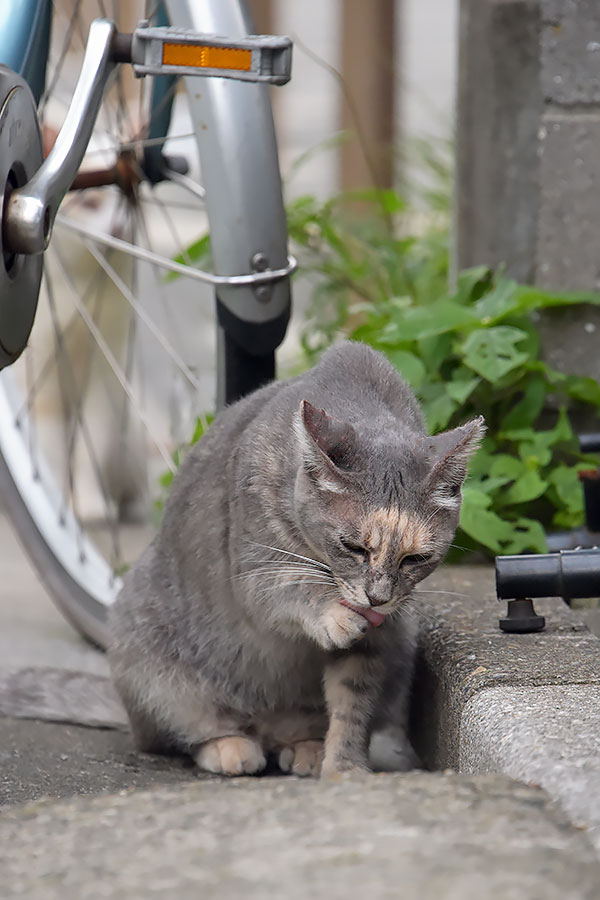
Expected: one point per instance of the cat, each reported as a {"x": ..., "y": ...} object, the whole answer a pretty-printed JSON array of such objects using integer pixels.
[{"x": 270, "y": 616}]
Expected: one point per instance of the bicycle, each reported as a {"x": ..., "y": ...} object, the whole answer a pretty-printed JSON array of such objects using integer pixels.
[{"x": 104, "y": 365}]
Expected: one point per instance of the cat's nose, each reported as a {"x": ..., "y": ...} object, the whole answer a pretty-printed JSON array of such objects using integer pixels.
[{"x": 379, "y": 592}]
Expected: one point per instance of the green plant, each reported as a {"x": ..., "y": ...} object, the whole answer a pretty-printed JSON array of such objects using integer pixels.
[
  {"x": 358, "y": 261},
  {"x": 379, "y": 271},
  {"x": 473, "y": 351}
]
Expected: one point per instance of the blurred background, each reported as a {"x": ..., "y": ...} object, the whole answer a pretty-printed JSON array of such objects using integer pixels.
[
  {"x": 395, "y": 59},
  {"x": 439, "y": 158}
]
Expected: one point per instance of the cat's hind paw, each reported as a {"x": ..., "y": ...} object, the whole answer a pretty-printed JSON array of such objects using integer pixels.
[
  {"x": 231, "y": 756},
  {"x": 303, "y": 759}
]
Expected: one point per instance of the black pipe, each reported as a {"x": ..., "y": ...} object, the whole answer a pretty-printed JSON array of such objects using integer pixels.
[
  {"x": 589, "y": 443},
  {"x": 568, "y": 574}
]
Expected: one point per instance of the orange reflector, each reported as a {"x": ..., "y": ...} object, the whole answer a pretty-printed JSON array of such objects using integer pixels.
[{"x": 202, "y": 57}]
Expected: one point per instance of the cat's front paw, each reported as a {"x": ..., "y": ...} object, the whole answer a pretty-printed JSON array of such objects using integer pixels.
[
  {"x": 342, "y": 627},
  {"x": 304, "y": 758},
  {"x": 231, "y": 756}
]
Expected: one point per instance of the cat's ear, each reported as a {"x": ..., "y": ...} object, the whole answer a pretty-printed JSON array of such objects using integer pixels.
[
  {"x": 326, "y": 444},
  {"x": 450, "y": 453}
]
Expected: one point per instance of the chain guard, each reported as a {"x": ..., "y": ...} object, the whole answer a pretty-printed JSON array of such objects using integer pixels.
[{"x": 21, "y": 155}]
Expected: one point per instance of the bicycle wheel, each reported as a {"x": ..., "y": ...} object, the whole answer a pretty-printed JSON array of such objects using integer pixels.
[{"x": 120, "y": 362}]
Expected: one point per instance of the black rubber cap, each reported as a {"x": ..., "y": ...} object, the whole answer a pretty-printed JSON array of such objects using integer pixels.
[{"x": 521, "y": 618}]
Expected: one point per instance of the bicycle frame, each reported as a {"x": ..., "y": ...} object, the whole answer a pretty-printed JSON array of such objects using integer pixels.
[
  {"x": 24, "y": 45},
  {"x": 252, "y": 318}
]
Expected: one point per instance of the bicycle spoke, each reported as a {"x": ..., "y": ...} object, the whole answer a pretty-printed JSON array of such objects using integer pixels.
[
  {"x": 76, "y": 415},
  {"x": 68, "y": 36},
  {"x": 114, "y": 365},
  {"x": 187, "y": 183},
  {"x": 138, "y": 143},
  {"x": 31, "y": 430},
  {"x": 142, "y": 314}
]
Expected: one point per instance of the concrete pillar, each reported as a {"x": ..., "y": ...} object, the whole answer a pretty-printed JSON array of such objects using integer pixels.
[
  {"x": 499, "y": 108},
  {"x": 569, "y": 223},
  {"x": 528, "y": 156},
  {"x": 568, "y": 245}
]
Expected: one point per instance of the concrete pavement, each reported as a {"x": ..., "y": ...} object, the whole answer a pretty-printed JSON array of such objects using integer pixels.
[
  {"x": 485, "y": 703},
  {"x": 417, "y": 836}
]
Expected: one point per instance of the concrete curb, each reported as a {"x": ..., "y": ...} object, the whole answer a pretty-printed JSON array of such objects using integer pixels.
[{"x": 524, "y": 705}]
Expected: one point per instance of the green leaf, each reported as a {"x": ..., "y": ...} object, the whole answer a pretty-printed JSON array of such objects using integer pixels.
[
  {"x": 568, "y": 519},
  {"x": 586, "y": 390},
  {"x": 528, "y": 536},
  {"x": 480, "y": 464},
  {"x": 525, "y": 412},
  {"x": 529, "y": 486},
  {"x": 426, "y": 321},
  {"x": 509, "y": 298},
  {"x": 492, "y": 352},
  {"x": 438, "y": 405},
  {"x": 410, "y": 366},
  {"x": 391, "y": 201},
  {"x": 504, "y": 299},
  {"x": 435, "y": 350},
  {"x": 166, "y": 479},
  {"x": 565, "y": 481},
  {"x": 472, "y": 283},
  {"x": 563, "y": 431},
  {"x": 504, "y": 466},
  {"x": 202, "y": 425},
  {"x": 461, "y": 387},
  {"x": 535, "y": 453},
  {"x": 481, "y": 523}
]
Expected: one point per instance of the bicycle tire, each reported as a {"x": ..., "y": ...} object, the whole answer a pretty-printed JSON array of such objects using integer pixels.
[{"x": 83, "y": 602}]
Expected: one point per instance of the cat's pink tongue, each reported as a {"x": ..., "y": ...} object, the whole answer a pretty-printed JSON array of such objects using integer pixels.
[{"x": 373, "y": 618}]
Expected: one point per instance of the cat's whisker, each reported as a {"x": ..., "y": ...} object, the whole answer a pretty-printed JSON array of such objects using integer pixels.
[
  {"x": 281, "y": 570},
  {"x": 428, "y": 591},
  {"x": 419, "y": 616},
  {"x": 287, "y": 583},
  {"x": 316, "y": 562},
  {"x": 281, "y": 573},
  {"x": 284, "y": 566},
  {"x": 284, "y": 562}
]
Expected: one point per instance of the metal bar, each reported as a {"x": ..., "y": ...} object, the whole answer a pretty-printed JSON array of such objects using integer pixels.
[
  {"x": 32, "y": 208},
  {"x": 24, "y": 40},
  {"x": 568, "y": 574},
  {"x": 256, "y": 278},
  {"x": 240, "y": 167}
]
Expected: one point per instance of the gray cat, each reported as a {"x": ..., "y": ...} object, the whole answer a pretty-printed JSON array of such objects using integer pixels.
[{"x": 271, "y": 614}]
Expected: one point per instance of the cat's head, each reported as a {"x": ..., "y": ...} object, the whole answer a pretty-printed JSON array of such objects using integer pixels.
[{"x": 379, "y": 507}]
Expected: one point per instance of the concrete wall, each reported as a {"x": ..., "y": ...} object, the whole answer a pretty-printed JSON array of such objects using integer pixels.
[
  {"x": 528, "y": 169},
  {"x": 499, "y": 108}
]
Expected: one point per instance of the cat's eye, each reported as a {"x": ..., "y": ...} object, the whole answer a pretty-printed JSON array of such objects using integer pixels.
[
  {"x": 353, "y": 547},
  {"x": 415, "y": 559}
]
